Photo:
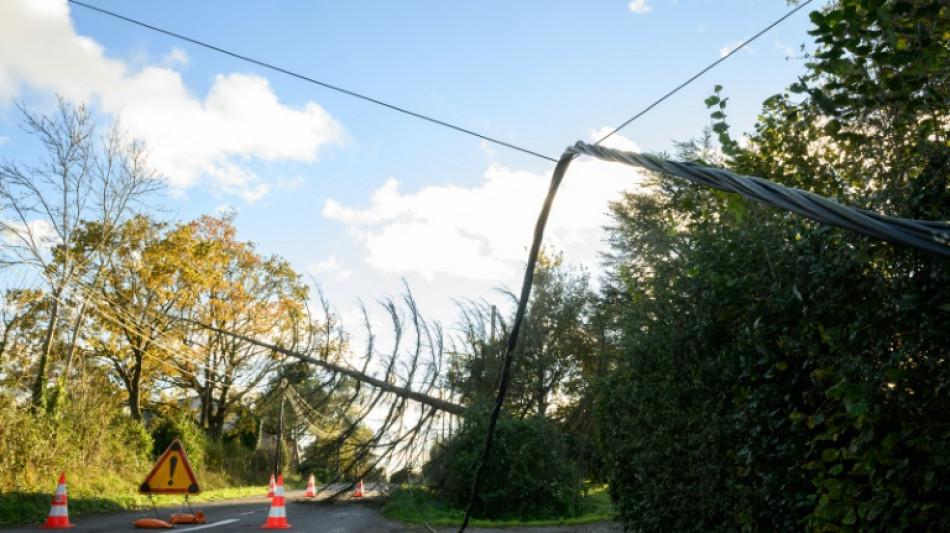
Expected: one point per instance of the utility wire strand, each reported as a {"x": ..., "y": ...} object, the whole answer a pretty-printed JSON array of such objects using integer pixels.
[
  {"x": 705, "y": 70},
  {"x": 932, "y": 236},
  {"x": 354, "y": 94},
  {"x": 556, "y": 179}
]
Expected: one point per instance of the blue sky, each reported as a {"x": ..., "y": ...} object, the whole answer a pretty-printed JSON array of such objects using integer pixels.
[{"x": 362, "y": 197}]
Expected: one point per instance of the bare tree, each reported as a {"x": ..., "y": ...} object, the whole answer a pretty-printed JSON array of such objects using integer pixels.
[{"x": 80, "y": 178}]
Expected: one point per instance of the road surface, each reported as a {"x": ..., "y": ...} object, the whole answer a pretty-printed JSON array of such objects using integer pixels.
[{"x": 304, "y": 515}]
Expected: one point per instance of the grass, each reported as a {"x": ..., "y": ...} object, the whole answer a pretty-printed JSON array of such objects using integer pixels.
[{"x": 417, "y": 505}]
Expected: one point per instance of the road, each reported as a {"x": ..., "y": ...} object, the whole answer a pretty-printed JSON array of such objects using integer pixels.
[
  {"x": 305, "y": 515},
  {"x": 249, "y": 514}
]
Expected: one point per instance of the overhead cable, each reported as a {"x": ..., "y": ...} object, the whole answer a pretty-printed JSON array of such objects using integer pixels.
[
  {"x": 705, "y": 70},
  {"x": 932, "y": 236},
  {"x": 308, "y": 79}
]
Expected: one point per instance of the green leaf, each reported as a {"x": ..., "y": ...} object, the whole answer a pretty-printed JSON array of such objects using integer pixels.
[
  {"x": 830, "y": 455},
  {"x": 857, "y": 409},
  {"x": 833, "y": 127}
]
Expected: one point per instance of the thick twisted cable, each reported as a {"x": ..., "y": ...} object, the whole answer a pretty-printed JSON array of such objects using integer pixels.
[{"x": 931, "y": 236}]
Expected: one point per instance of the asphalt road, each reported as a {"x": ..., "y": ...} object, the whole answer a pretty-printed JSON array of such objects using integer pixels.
[
  {"x": 247, "y": 514},
  {"x": 303, "y": 514}
]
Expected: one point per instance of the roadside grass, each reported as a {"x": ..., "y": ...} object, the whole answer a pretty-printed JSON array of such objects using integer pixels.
[
  {"x": 22, "y": 508},
  {"x": 418, "y": 505}
]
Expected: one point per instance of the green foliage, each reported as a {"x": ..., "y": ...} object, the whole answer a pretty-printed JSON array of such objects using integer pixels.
[
  {"x": 529, "y": 475},
  {"x": 777, "y": 375},
  {"x": 418, "y": 505},
  {"x": 181, "y": 427}
]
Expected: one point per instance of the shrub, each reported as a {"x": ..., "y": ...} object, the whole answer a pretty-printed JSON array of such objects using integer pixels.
[{"x": 529, "y": 475}]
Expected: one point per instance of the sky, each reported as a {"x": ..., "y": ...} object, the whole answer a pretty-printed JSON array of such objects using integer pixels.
[{"x": 362, "y": 198}]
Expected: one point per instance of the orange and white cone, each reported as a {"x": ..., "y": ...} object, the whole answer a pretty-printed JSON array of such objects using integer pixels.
[
  {"x": 358, "y": 493},
  {"x": 59, "y": 513},
  {"x": 311, "y": 490},
  {"x": 270, "y": 488},
  {"x": 277, "y": 518}
]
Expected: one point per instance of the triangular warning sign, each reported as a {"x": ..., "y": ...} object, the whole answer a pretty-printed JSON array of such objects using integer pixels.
[{"x": 172, "y": 474}]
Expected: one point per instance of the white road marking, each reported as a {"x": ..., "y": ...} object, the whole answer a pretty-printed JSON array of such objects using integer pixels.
[
  {"x": 216, "y": 524},
  {"x": 249, "y": 512}
]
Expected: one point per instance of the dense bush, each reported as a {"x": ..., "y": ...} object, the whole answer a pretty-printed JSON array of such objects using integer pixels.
[
  {"x": 530, "y": 473},
  {"x": 94, "y": 443},
  {"x": 181, "y": 427},
  {"x": 777, "y": 374}
]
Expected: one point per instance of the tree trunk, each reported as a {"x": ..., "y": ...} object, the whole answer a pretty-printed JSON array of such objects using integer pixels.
[{"x": 39, "y": 385}]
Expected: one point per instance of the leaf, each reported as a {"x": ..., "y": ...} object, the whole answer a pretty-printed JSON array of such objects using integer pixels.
[
  {"x": 830, "y": 455},
  {"x": 857, "y": 409},
  {"x": 796, "y": 293}
]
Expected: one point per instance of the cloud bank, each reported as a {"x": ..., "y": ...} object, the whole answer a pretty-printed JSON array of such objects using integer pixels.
[
  {"x": 483, "y": 232},
  {"x": 190, "y": 137}
]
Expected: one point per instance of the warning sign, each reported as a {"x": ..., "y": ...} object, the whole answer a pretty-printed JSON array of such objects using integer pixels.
[{"x": 172, "y": 474}]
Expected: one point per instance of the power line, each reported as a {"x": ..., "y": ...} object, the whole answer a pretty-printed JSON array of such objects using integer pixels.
[
  {"x": 932, "y": 236},
  {"x": 703, "y": 71},
  {"x": 354, "y": 94}
]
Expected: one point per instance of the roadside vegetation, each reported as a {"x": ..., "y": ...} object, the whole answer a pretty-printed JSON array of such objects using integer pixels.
[
  {"x": 737, "y": 367},
  {"x": 421, "y": 505}
]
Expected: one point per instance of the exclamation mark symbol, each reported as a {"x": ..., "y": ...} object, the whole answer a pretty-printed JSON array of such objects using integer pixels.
[{"x": 171, "y": 470}]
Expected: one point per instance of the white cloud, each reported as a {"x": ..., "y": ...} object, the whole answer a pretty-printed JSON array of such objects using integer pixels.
[
  {"x": 789, "y": 51},
  {"x": 728, "y": 48},
  {"x": 190, "y": 138},
  {"x": 331, "y": 267},
  {"x": 483, "y": 232},
  {"x": 40, "y": 233},
  {"x": 4, "y": 140},
  {"x": 177, "y": 57},
  {"x": 639, "y": 7}
]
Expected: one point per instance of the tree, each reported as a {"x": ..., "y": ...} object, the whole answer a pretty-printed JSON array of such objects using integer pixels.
[
  {"x": 555, "y": 341},
  {"x": 554, "y": 347},
  {"x": 145, "y": 282},
  {"x": 44, "y": 205},
  {"x": 237, "y": 290},
  {"x": 777, "y": 374}
]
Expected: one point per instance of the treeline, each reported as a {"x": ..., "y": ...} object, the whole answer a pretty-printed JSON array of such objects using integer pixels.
[{"x": 112, "y": 325}]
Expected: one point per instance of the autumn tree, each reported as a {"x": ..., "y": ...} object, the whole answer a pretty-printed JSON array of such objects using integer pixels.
[
  {"x": 234, "y": 289},
  {"x": 144, "y": 284}
]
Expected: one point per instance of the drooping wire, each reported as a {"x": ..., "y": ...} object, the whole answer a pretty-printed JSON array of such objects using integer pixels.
[
  {"x": 308, "y": 79},
  {"x": 705, "y": 70},
  {"x": 556, "y": 178},
  {"x": 932, "y": 236}
]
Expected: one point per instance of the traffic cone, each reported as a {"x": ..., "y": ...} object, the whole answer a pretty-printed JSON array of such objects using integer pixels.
[
  {"x": 358, "y": 493},
  {"x": 311, "y": 490},
  {"x": 270, "y": 488},
  {"x": 277, "y": 518},
  {"x": 59, "y": 513}
]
